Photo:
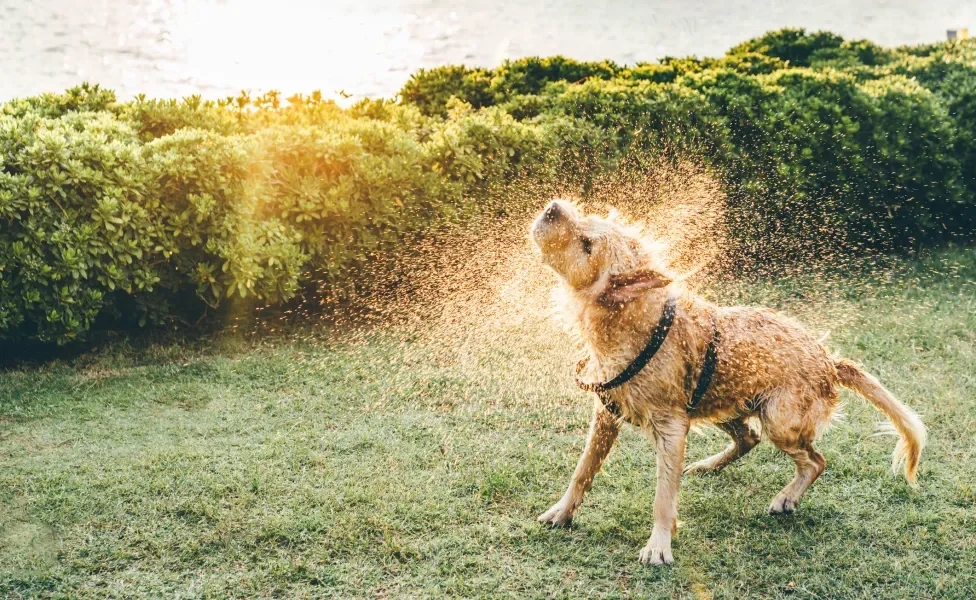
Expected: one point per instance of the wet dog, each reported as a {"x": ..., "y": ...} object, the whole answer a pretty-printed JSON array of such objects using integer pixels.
[{"x": 664, "y": 359}]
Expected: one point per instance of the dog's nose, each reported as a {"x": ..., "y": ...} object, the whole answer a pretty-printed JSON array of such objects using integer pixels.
[{"x": 552, "y": 212}]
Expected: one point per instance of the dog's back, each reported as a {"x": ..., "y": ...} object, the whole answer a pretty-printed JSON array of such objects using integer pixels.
[{"x": 764, "y": 355}]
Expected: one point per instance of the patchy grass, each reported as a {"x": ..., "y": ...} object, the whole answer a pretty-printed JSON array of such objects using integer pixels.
[{"x": 388, "y": 468}]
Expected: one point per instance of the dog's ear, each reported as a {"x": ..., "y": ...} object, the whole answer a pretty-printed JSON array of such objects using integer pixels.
[{"x": 628, "y": 286}]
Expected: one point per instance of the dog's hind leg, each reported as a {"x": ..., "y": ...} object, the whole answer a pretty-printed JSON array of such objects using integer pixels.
[
  {"x": 809, "y": 465},
  {"x": 744, "y": 439},
  {"x": 603, "y": 432},
  {"x": 791, "y": 424}
]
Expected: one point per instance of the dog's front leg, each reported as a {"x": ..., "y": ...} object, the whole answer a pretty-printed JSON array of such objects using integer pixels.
[
  {"x": 669, "y": 436},
  {"x": 603, "y": 432}
]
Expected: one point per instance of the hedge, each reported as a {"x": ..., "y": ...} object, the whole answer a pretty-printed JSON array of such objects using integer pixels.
[
  {"x": 120, "y": 212},
  {"x": 127, "y": 211}
]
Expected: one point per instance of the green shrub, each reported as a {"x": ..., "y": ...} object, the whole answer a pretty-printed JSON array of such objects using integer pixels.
[
  {"x": 95, "y": 221},
  {"x": 794, "y": 46},
  {"x": 157, "y": 118},
  {"x": 350, "y": 188},
  {"x": 481, "y": 149},
  {"x": 202, "y": 197},
  {"x": 949, "y": 70},
  {"x": 82, "y": 98},
  {"x": 430, "y": 89},
  {"x": 654, "y": 72},
  {"x": 134, "y": 211},
  {"x": 919, "y": 191},
  {"x": 404, "y": 116},
  {"x": 642, "y": 116},
  {"x": 851, "y": 54},
  {"x": 75, "y": 229},
  {"x": 531, "y": 75},
  {"x": 752, "y": 63},
  {"x": 821, "y": 159},
  {"x": 685, "y": 65},
  {"x": 958, "y": 94},
  {"x": 579, "y": 151}
]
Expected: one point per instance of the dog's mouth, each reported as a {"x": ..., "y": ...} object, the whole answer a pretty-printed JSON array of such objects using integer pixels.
[{"x": 552, "y": 226}]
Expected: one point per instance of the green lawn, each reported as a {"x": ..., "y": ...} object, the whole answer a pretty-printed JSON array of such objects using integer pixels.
[{"x": 413, "y": 465}]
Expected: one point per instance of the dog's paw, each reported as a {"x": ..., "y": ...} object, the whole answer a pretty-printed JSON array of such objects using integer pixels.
[
  {"x": 557, "y": 516},
  {"x": 782, "y": 505},
  {"x": 656, "y": 556},
  {"x": 702, "y": 467}
]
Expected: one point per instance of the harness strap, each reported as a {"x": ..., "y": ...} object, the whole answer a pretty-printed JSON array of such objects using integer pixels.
[
  {"x": 653, "y": 345},
  {"x": 708, "y": 370}
]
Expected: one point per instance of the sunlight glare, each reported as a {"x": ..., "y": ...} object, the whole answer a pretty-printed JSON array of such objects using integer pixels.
[{"x": 240, "y": 45}]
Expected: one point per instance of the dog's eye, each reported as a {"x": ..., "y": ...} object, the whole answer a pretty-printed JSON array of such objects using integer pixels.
[{"x": 587, "y": 245}]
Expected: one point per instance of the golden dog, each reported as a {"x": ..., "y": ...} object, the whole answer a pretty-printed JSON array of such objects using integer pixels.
[{"x": 764, "y": 366}]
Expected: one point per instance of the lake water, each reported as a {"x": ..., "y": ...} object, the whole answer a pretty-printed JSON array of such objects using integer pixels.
[{"x": 370, "y": 47}]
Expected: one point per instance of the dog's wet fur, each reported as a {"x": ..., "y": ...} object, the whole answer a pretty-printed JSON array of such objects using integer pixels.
[{"x": 773, "y": 379}]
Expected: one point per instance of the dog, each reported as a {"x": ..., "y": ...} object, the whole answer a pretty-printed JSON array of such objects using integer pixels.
[{"x": 663, "y": 359}]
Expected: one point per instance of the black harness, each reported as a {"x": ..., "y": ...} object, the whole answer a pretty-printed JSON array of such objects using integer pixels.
[{"x": 653, "y": 345}]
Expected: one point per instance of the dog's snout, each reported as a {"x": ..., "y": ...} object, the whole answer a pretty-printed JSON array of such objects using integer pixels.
[
  {"x": 552, "y": 212},
  {"x": 552, "y": 224}
]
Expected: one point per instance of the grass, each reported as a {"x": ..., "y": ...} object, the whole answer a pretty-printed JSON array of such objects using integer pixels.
[{"x": 388, "y": 467}]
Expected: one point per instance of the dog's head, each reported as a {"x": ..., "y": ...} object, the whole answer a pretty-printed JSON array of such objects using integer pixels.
[{"x": 602, "y": 258}]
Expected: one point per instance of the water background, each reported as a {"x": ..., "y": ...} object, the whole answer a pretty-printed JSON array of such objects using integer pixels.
[{"x": 216, "y": 48}]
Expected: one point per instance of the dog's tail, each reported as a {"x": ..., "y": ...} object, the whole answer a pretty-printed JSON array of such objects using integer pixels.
[{"x": 909, "y": 427}]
